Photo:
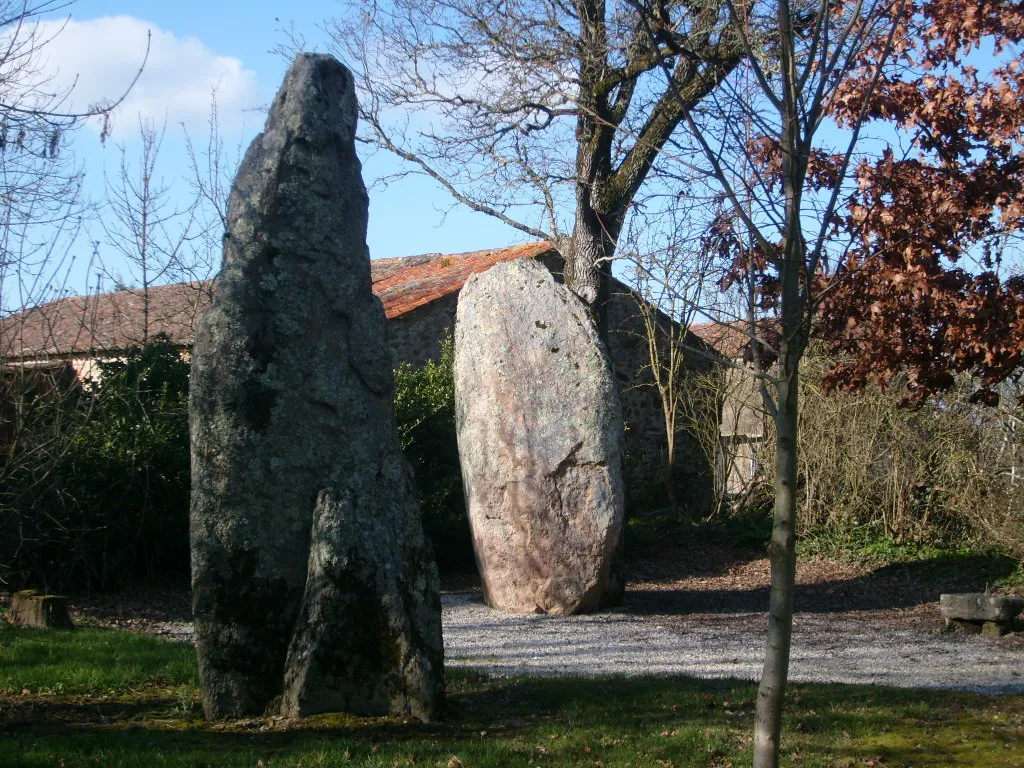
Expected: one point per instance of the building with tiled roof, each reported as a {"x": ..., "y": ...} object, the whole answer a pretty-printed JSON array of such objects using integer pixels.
[
  {"x": 419, "y": 295},
  {"x": 84, "y": 327},
  {"x": 405, "y": 284},
  {"x": 728, "y": 339}
]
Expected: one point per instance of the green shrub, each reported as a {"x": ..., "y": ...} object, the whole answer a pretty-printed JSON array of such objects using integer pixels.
[
  {"x": 425, "y": 411},
  {"x": 96, "y": 487}
]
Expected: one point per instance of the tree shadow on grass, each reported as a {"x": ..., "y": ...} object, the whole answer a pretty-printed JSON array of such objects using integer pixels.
[
  {"x": 520, "y": 721},
  {"x": 18, "y": 712},
  {"x": 474, "y": 697},
  {"x": 483, "y": 712}
]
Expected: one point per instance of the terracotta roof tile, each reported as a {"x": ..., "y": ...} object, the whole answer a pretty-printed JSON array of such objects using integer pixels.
[
  {"x": 423, "y": 279},
  {"x": 106, "y": 321},
  {"x": 728, "y": 339},
  {"x": 114, "y": 321}
]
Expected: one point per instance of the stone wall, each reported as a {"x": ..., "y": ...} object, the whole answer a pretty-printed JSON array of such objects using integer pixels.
[
  {"x": 416, "y": 336},
  {"x": 646, "y": 444},
  {"x": 742, "y": 428}
]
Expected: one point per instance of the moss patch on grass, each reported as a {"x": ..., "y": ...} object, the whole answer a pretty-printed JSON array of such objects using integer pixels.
[{"x": 150, "y": 717}]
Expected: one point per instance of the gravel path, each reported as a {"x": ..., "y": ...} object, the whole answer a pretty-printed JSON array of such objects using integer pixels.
[
  {"x": 825, "y": 648},
  {"x": 837, "y": 648}
]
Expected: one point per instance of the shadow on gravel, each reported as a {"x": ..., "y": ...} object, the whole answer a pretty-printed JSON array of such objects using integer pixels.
[{"x": 901, "y": 585}]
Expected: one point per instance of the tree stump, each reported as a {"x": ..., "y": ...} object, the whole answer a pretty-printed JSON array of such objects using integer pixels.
[{"x": 31, "y": 609}]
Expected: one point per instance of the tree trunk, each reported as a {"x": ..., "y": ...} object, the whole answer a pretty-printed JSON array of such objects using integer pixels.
[
  {"x": 598, "y": 220},
  {"x": 668, "y": 401},
  {"x": 782, "y": 553},
  {"x": 588, "y": 266},
  {"x": 782, "y": 550}
]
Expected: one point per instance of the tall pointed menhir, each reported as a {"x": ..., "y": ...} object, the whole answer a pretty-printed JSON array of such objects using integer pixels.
[{"x": 314, "y": 588}]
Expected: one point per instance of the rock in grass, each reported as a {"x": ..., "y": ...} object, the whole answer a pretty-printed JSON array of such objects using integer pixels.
[
  {"x": 313, "y": 585},
  {"x": 540, "y": 441}
]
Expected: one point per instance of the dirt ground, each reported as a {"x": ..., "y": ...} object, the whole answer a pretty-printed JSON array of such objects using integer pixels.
[{"x": 715, "y": 581}]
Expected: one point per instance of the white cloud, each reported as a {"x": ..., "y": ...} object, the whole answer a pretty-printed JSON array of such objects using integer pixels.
[{"x": 101, "y": 57}]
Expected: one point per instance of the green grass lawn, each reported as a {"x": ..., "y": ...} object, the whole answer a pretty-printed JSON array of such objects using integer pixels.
[{"x": 97, "y": 699}]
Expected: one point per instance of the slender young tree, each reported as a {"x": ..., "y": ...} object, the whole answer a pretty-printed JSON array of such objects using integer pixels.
[
  {"x": 161, "y": 229},
  {"x": 212, "y": 170},
  {"x": 827, "y": 235},
  {"x": 151, "y": 235},
  {"x": 671, "y": 275},
  {"x": 795, "y": 55}
]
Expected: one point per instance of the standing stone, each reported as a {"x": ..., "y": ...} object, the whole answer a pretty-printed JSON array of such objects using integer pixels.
[
  {"x": 540, "y": 441},
  {"x": 313, "y": 586}
]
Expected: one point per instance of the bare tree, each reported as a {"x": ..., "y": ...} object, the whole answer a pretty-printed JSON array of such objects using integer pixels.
[
  {"x": 546, "y": 115},
  {"x": 671, "y": 273},
  {"x": 41, "y": 206},
  {"x": 40, "y": 187},
  {"x": 212, "y": 170},
  {"x": 162, "y": 230},
  {"x": 150, "y": 232},
  {"x": 757, "y": 140}
]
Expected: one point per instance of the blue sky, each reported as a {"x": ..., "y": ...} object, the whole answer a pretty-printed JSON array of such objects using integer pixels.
[{"x": 197, "y": 45}]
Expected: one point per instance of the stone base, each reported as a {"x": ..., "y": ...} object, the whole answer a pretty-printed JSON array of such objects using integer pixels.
[
  {"x": 983, "y": 628},
  {"x": 996, "y": 628},
  {"x": 30, "y": 609}
]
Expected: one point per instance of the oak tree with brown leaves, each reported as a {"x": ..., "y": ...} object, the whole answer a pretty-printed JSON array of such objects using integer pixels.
[{"x": 931, "y": 285}]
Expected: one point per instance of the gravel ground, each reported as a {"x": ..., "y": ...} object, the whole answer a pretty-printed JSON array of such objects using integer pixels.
[
  {"x": 825, "y": 648},
  {"x": 836, "y": 648}
]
